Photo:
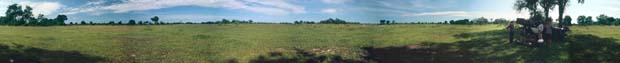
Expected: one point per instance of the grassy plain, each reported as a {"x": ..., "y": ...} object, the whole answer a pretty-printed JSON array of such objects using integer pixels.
[{"x": 217, "y": 43}]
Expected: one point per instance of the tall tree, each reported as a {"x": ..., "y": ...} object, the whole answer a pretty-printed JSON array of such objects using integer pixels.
[
  {"x": 529, "y": 5},
  {"x": 131, "y": 22},
  {"x": 589, "y": 20},
  {"x": 36, "y": 22},
  {"x": 581, "y": 20},
  {"x": 562, "y": 4},
  {"x": 26, "y": 16},
  {"x": 567, "y": 21},
  {"x": 480, "y": 20},
  {"x": 60, "y": 19},
  {"x": 83, "y": 23},
  {"x": 155, "y": 20},
  {"x": 13, "y": 11},
  {"x": 547, "y": 5}
]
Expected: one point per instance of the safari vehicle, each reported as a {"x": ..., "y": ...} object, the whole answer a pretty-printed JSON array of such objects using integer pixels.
[{"x": 536, "y": 32}]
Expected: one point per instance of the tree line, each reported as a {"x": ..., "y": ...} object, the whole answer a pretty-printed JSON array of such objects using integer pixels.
[
  {"x": 326, "y": 21},
  {"x": 602, "y": 20},
  {"x": 154, "y": 21},
  {"x": 17, "y": 15}
]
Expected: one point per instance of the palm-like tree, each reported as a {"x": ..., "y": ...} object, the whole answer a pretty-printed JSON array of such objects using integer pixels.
[
  {"x": 561, "y": 7},
  {"x": 530, "y": 5},
  {"x": 547, "y": 5}
]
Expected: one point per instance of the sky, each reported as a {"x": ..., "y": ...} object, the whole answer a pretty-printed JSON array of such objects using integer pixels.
[{"x": 364, "y": 11}]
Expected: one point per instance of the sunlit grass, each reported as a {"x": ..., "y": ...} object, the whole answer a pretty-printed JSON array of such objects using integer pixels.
[{"x": 240, "y": 42}]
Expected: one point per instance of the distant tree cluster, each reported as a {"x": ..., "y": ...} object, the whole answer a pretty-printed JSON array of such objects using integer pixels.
[
  {"x": 602, "y": 20},
  {"x": 479, "y": 21},
  {"x": 500, "y": 21},
  {"x": 462, "y": 21},
  {"x": 428, "y": 22},
  {"x": 154, "y": 21},
  {"x": 16, "y": 15},
  {"x": 226, "y": 21},
  {"x": 336, "y": 21},
  {"x": 387, "y": 22},
  {"x": 303, "y": 22},
  {"x": 130, "y": 22}
]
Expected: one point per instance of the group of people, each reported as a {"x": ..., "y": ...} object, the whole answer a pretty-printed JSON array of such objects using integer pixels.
[{"x": 535, "y": 31}]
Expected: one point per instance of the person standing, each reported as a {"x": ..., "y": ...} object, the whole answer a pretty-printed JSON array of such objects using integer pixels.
[{"x": 510, "y": 28}]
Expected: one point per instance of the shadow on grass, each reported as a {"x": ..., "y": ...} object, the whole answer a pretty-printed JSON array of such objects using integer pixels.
[
  {"x": 493, "y": 47},
  {"x": 23, "y": 54},
  {"x": 301, "y": 56},
  {"x": 426, "y": 53},
  {"x": 481, "y": 47},
  {"x": 593, "y": 49}
]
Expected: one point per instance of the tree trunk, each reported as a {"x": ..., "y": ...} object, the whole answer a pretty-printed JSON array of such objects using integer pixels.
[
  {"x": 546, "y": 16},
  {"x": 561, "y": 17}
]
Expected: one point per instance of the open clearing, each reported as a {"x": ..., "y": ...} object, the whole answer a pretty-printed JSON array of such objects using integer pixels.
[{"x": 217, "y": 43}]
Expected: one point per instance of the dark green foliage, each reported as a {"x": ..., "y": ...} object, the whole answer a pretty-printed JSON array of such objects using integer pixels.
[
  {"x": 155, "y": 20},
  {"x": 500, "y": 21},
  {"x": 605, "y": 20},
  {"x": 602, "y": 20},
  {"x": 562, "y": 4},
  {"x": 480, "y": 20},
  {"x": 617, "y": 22},
  {"x": 60, "y": 19},
  {"x": 131, "y": 22},
  {"x": 387, "y": 22},
  {"x": 304, "y": 22},
  {"x": 83, "y": 23},
  {"x": 18, "y": 16},
  {"x": 567, "y": 21},
  {"x": 382, "y": 22},
  {"x": 111, "y": 23},
  {"x": 226, "y": 21},
  {"x": 334, "y": 21},
  {"x": 463, "y": 21},
  {"x": 140, "y": 23}
]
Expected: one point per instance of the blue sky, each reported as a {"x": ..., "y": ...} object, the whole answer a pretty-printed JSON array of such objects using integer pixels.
[{"x": 365, "y": 11}]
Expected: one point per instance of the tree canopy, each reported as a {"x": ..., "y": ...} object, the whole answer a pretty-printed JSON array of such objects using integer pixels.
[{"x": 18, "y": 16}]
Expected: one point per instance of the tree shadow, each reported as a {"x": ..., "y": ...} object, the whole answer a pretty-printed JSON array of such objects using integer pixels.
[
  {"x": 493, "y": 47},
  {"x": 587, "y": 48},
  {"x": 478, "y": 47},
  {"x": 22, "y": 54},
  {"x": 426, "y": 52},
  {"x": 302, "y": 56}
]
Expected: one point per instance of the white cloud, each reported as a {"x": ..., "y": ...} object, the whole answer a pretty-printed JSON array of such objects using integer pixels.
[
  {"x": 441, "y": 13},
  {"x": 185, "y": 16},
  {"x": 333, "y": 1},
  {"x": 329, "y": 10},
  {"x": 272, "y": 7},
  {"x": 613, "y": 8},
  {"x": 98, "y": 2},
  {"x": 45, "y": 8},
  {"x": 281, "y": 4}
]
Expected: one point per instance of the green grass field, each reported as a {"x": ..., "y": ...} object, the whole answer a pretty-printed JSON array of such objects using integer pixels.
[{"x": 217, "y": 43}]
